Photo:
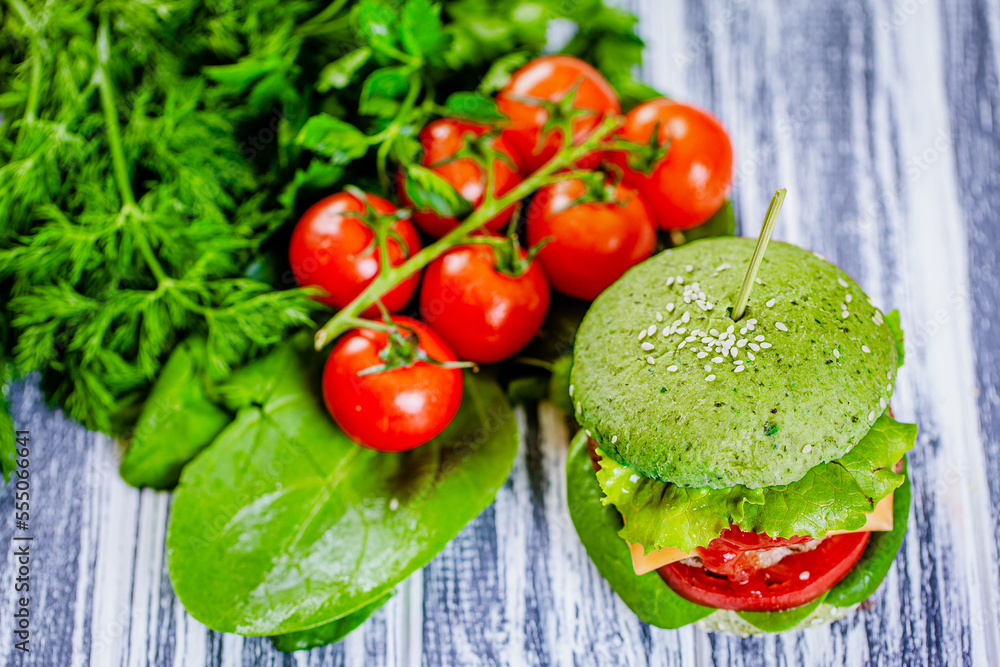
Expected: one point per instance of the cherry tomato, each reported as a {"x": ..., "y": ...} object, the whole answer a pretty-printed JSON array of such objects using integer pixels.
[
  {"x": 442, "y": 140},
  {"x": 792, "y": 582},
  {"x": 551, "y": 91},
  {"x": 688, "y": 184},
  {"x": 593, "y": 242},
  {"x": 333, "y": 247},
  {"x": 484, "y": 314},
  {"x": 397, "y": 409}
]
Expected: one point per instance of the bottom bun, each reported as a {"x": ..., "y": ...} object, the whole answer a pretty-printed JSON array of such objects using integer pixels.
[{"x": 730, "y": 623}]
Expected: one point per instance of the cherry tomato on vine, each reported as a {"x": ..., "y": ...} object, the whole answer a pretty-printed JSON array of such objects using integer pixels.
[
  {"x": 454, "y": 150},
  {"x": 547, "y": 96},
  {"x": 685, "y": 176},
  {"x": 488, "y": 300},
  {"x": 391, "y": 393},
  {"x": 597, "y": 234},
  {"x": 333, "y": 247}
]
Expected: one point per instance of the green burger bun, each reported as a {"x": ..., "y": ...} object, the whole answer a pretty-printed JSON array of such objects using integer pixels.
[
  {"x": 813, "y": 380},
  {"x": 777, "y": 423}
]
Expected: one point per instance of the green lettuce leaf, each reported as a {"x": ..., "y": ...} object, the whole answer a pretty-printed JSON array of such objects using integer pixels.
[
  {"x": 865, "y": 578},
  {"x": 646, "y": 595},
  {"x": 831, "y": 496},
  {"x": 871, "y": 465},
  {"x": 892, "y": 319}
]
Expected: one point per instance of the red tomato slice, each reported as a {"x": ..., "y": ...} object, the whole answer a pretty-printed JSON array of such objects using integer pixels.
[
  {"x": 734, "y": 553},
  {"x": 792, "y": 582}
]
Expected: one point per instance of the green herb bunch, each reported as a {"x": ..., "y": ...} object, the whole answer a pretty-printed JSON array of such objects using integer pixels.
[
  {"x": 357, "y": 81},
  {"x": 129, "y": 215},
  {"x": 150, "y": 151}
]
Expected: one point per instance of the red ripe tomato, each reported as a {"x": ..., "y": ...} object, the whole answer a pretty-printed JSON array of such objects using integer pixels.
[
  {"x": 397, "y": 409},
  {"x": 333, "y": 247},
  {"x": 688, "y": 184},
  {"x": 792, "y": 582},
  {"x": 484, "y": 314},
  {"x": 441, "y": 140},
  {"x": 593, "y": 242},
  {"x": 552, "y": 91}
]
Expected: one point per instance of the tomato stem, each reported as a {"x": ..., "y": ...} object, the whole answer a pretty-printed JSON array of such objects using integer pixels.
[
  {"x": 374, "y": 325},
  {"x": 392, "y": 132},
  {"x": 402, "y": 348},
  {"x": 390, "y": 276}
]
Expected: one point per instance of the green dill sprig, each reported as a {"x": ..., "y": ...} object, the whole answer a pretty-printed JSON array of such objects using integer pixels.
[{"x": 130, "y": 213}]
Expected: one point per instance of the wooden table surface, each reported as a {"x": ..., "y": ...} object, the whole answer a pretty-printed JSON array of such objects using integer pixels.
[{"x": 881, "y": 119}]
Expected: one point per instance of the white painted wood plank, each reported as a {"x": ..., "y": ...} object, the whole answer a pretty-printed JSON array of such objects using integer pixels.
[
  {"x": 146, "y": 590},
  {"x": 117, "y": 508},
  {"x": 933, "y": 285}
]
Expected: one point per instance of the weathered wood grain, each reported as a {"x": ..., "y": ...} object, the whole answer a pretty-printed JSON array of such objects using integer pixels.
[{"x": 880, "y": 117}]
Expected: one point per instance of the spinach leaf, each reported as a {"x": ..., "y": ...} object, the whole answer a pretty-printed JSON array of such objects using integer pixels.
[
  {"x": 283, "y": 524},
  {"x": 598, "y": 525},
  {"x": 178, "y": 420},
  {"x": 333, "y": 138},
  {"x": 329, "y": 633},
  {"x": 552, "y": 386}
]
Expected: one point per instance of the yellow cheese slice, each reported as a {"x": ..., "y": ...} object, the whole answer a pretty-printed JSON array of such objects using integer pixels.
[{"x": 642, "y": 563}]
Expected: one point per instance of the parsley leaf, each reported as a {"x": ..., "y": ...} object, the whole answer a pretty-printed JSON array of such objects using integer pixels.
[
  {"x": 339, "y": 73},
  {"x": 421, "y": 30},
  {"x": 332, "y": 137},
  {"x": 473, "y": 106}
]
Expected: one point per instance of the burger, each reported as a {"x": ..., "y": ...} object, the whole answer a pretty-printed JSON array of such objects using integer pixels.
[{"x": 744, "y": 473}]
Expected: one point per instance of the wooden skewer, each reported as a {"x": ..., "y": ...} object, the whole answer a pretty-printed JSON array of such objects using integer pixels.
[{"x": 758, "y": 252}]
